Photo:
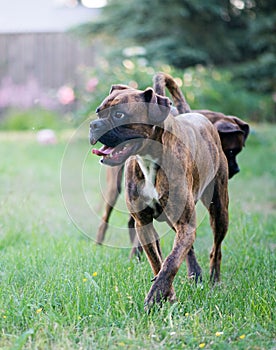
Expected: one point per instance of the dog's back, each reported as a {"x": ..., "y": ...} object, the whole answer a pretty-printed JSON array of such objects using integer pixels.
[{"x": 199, "y": 137}]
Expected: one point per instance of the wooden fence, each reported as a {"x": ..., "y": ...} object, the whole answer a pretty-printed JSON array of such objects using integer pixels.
[{"x": 52, "y": 59}]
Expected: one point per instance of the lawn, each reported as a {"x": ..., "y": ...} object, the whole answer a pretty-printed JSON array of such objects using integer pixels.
[{"x": 59, "y": 290}]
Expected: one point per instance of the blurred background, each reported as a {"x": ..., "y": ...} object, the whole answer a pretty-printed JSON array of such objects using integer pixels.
[{"x": 58, "y": 58}]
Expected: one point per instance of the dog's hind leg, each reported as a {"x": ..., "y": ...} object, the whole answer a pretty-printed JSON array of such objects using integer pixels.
[
  {"x": 194, "y": 270},
  {"x": 218, "y": 210},
  {"x": 113, "y": 191}
]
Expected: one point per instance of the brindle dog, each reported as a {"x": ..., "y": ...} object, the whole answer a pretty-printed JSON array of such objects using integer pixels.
[
  {"x": 233, "y": 133},
  {"x": 170, "y": 163}
]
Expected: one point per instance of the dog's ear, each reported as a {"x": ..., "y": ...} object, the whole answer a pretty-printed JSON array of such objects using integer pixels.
[
  {"x": 225, "y": 127},
  {"x": 239, "y": 126},
  {"x": 118, "y": 87},
  {"x": 158, "y": 106},
  {"x": 243, "y": 126}
]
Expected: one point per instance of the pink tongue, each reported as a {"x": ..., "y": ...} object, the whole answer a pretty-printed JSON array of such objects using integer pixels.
[{"x": 103, "y": 151}]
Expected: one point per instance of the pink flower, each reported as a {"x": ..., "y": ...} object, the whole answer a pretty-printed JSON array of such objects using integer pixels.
[
  {"x": 66, "y": 95},
  {"x": 91, "y": 84}
]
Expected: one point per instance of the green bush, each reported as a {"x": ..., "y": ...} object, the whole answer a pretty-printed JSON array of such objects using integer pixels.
[
  {"x": 31, "y": 119},
  {"x": 215, "y": 89},
  {"x": 204, "y": 88}
]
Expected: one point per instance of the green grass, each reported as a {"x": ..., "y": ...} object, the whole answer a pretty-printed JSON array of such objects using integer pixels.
[{"x": 58, "y": 290}]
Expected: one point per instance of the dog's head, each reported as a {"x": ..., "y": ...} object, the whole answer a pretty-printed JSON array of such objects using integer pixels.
[
  {"x": 126, "y": 119},
  {"x": 233, "y": 133}
]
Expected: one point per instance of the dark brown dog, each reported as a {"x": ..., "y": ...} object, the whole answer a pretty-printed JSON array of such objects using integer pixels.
[
  {"x": 233, "y": 133},
  {"x": 171, "y": 163}
]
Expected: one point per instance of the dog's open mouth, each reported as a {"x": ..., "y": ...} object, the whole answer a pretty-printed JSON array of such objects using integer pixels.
[{"x": 117, "y": 155}]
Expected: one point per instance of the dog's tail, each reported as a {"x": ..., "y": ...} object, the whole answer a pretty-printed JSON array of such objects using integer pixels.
[{"x": 162, "y": 81}]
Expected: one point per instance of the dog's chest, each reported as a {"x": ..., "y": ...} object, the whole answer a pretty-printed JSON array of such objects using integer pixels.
[{"x": 147, "y": 189}]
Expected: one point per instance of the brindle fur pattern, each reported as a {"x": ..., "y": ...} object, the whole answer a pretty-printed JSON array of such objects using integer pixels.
[
  {"x": 233, "y": 133},
  {"x": 183, "y": 175},
  {"x": 232, "y": 130}
]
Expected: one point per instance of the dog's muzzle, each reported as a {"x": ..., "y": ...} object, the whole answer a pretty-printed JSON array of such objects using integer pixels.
[
  {"x": 233, "y": 169},
  {"x": 119, "y": 142},
  {"x": 97, "y": 129}
]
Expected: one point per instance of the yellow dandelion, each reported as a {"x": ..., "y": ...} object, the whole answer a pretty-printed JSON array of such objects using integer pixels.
[
  {"x": 218, "y": 334},
  {"x": 38, "y": 311},
  {"x": 242, "y": 336},
  {"x": 201, "y": 345},
  {"x": 94, "y": 274},
  {"x": 4, "y": 316},
  {"x": 187, "y": 314},
  {"x": 84, "y": 280}
]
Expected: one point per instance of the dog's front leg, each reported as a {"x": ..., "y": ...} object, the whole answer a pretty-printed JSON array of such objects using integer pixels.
[
  {"x": 162, "y": 288},
  {"x": 149, "y": 240}
]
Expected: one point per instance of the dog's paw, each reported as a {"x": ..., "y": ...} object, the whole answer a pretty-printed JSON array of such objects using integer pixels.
[
  {"x": 194, "y": 270},
  {"x": 214, "y": 275},
  {"x": 159, "y": 293},
  {"x": 195, "y": 276}
]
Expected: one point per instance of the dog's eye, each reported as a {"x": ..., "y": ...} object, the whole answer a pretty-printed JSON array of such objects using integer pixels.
[{"x": 119, "y": 115}]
